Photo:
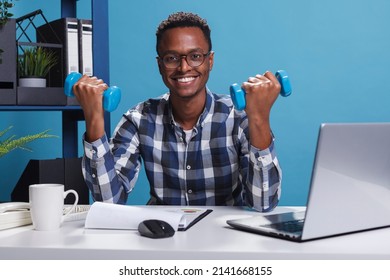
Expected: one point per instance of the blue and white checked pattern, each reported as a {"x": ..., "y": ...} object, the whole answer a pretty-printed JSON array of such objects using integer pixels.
[{"x": 217, "y": 167}]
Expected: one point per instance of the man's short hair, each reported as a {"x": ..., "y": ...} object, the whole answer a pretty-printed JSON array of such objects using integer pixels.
[{"x": 184, "y": 19}]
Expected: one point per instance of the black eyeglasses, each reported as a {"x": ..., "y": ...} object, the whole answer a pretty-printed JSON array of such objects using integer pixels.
[{"x": 193, "y": 59}]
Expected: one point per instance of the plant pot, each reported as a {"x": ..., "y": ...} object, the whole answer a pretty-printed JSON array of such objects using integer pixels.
[{"x": 32, "y": 82}]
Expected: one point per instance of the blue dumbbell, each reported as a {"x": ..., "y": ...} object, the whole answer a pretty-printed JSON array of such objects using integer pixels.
[
  {"x": 111, "y": 96},
  {"x": 238, "y": 93}
]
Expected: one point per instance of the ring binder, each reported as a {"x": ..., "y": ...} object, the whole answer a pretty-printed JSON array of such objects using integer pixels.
[
  {"x": 75, "y": 35},
  {"x": 62, "y": 31},
  {"x": 85, "y": 47}
]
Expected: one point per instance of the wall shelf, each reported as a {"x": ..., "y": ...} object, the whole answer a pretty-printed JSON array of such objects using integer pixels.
[{"x": 70, "y": 114}]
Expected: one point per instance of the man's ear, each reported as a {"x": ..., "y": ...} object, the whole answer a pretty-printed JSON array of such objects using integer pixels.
[
  {"x": 211, "y": 60},
  {"x": 159, "y": 65}
]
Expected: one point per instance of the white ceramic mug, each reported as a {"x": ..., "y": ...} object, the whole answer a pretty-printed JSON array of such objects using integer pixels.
[{"x": 47, "y": 205}]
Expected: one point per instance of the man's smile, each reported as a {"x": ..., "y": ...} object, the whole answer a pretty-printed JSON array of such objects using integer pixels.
[{"x": 185, "y": 79}]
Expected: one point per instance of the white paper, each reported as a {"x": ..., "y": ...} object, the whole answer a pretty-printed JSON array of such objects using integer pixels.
[
  {"x": 189, "y": 215},
  {"x": 117, "y": 216}
]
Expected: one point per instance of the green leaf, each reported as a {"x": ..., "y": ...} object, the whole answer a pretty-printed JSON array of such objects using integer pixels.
[
  {"x": 36, "y": 61},
  {"x": 11, "y": 143}
]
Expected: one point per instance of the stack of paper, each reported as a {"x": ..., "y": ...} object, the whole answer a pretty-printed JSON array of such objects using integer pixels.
[{"x": 15, "y": 218}]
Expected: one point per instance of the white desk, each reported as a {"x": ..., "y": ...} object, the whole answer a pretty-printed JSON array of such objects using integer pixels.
[{"x": 211, "y": 238}]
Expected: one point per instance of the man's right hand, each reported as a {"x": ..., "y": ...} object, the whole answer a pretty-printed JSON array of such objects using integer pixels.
[{"x": 89, "y": 94}]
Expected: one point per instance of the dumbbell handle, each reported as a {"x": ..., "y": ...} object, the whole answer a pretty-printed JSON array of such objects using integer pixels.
[
  {"x": 111, "y": 96},
  {"x": 237, "y": 93}
]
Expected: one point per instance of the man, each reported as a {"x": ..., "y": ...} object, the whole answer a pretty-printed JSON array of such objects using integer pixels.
[{"x": 196, "y": 148}]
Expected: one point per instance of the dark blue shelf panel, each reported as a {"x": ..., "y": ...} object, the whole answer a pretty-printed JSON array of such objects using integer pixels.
[{"x": 38, "y": 108}]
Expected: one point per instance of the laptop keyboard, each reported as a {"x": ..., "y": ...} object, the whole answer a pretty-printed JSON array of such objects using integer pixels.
[{"x": 288, "y": 226}]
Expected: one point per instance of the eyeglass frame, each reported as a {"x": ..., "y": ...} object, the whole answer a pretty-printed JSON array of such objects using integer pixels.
[{"x": 185, "y": 56}]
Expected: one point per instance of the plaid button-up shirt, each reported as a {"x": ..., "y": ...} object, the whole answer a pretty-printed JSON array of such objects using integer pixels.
[{"x": 216, "y": 166}]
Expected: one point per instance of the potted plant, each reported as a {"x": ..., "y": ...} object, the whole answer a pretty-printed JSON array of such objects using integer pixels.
[
  {"x": 33, "y": 66},
  {"x": 4, "y": 12},
  {"x": 11, "y": 143},
  {"x": 5, "y": 5}
]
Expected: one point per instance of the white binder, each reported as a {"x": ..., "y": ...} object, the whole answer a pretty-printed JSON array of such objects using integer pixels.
[
  {"x": 85, "y": 47},
  {"x": 64, "y": 31},
  {"x": 72, "y": 48}
]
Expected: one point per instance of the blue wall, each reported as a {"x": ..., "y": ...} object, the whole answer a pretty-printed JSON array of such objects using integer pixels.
[{"x": 336, "y": 53}]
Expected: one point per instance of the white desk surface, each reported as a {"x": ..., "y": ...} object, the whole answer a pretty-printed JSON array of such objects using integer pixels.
[{"x": 211, "y": 238}]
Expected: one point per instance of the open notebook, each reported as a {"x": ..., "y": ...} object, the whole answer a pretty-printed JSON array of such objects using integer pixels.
[
  {"x": 349, "y": 191},
  {"x": 114, "y": 216}
]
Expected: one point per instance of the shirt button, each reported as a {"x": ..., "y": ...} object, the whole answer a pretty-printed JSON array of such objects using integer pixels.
[
  {"x": 93, "y": 176},
  {"x": 189, "y": 191},
  {"x": 188, "y": 167}
]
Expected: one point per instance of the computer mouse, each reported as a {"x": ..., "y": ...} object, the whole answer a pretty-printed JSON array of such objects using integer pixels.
[{"x": 155, "y": 229}]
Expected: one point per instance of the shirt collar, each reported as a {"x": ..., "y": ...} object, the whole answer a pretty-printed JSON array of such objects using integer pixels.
[{"x": 204, "y": 117}]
